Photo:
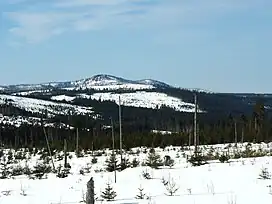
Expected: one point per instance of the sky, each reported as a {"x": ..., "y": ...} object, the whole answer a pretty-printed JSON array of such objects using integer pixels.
[{"x": 217, "y": 45}]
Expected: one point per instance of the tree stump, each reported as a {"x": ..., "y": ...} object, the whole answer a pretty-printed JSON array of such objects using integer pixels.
[{"x": 90, "y": 192}]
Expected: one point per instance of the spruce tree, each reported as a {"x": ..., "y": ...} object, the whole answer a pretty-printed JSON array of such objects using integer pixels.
[
  {"x": 153, "y": 160},
  {"x": 108, "y": 194},
  {"x": 141, "y": 194},
  {"x": 111, "y": 163},
  {"x": 135, "y": 162},
  {"x": 124, "y": 164}
]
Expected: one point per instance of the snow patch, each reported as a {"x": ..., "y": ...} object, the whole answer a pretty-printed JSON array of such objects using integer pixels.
[
  {"x": 62, "y": 98},
  {"x": 40, "y": 106}
]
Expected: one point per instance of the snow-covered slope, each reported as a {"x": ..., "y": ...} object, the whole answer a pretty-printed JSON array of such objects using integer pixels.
[
  {"x": 18, "y": 121},
  {"x": 109, "y": 82},
  {"x": 143, "y": 99},
  {"x": 97, "y": 82},
  {"x": 40, "y": 106}
]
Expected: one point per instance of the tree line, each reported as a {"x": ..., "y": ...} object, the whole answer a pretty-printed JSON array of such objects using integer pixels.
[{"x": 137, "y": 124}]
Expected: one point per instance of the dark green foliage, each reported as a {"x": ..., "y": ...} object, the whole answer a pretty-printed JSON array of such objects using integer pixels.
[
  {"x": 5, "y": 170},
  {"x": 153, "y": 160},
  {"x": 62, "y": 172},
  {"x": 17, "y": 170},
  {"x": 41, "y": 169},
  {"x": 27, "y": 170},
  {"x": 10, "y": 156},
  {"x": 216, "y": 126},
  {"x": 141, "y": 194},
  {"x": 168, "y": 161},
  {"x": 80, "y": 154},
  {"x": 146, "y": 174},
  {"x": 124, "y": 164},
  {"x": 94, "y": 160},
  {"x": 197, "y": 160},
  {"x": 108, "y": 194},
  {"x": 224, "y": 158},
  {"x": 111, "y": 163},
  {"x": 19, "y": 155},
  {"x": 265, "y": 174},
  {"x": 135, "y": 162}
]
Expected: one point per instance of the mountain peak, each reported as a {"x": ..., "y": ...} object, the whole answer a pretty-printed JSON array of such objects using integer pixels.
[
  {"x": 97, "y": 82},
  {"x": 103, "y": 77},
  {"x": 107, "y": 79}
]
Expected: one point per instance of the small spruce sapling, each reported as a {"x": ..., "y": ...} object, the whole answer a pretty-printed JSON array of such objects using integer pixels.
[
  {"x": 108, "y": 194},
  {"x": 5, "y": 170},
  {"x": 124, "y": 164},
  {"x": 146, "y": 174},
  {"x": 168, "y": 161},
  {"x": 171, "y": 187},
  {"x": 111, "y": 163},
  {"x": 224, "y": 158},
  {"x": 94, "y": 160},
  {"x": 135, "y": 162},
  {"x": 265, "y": 174},
  {"x": 141, "y": 195},
  {"x": 153, "y": 159}
]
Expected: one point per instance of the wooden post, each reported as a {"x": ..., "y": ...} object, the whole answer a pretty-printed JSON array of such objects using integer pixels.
[
  {"x": 113, "y": 148},
  {"x": 48, "y": 146},
  {"x": 235, "y": 129},
  {"x": 65, "y": 153},
  {"x": 77, "y": 142},
  {"x": 243, "y": 132},
  {"x": 195, "y": 126},
  {"x": 120, "y": 126},
  {"x": 90, "y": 192}
]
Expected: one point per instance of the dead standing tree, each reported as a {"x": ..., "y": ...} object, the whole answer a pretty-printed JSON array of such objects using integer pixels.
[{"x": 90, "y": 192}]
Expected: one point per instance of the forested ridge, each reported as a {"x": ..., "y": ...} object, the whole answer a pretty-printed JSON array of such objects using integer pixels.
[{"x": 228, "y": 118}]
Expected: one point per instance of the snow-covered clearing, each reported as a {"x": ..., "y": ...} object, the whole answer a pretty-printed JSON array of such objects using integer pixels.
[
  {"x": 141, "y": 99},
  {"x": 214, "y": 183},
  {"x": 146, "y": 100},
  {"x": 40, "y": 106}
]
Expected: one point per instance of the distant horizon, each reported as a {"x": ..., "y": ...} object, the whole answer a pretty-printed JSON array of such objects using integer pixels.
[
  {"x": 187, "y": 88},
  {"x": 222, "y": 46}
]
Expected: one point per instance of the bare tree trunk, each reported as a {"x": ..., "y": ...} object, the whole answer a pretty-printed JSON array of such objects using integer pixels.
[
  {"x": 26, "y": 139},
  {"x": 65, "y": 153},
  {"x": 195, "y": 126},
  {"x": 243, "y": 132},
  {"x": 77, "y": 152},
  {"x": 235, "y": 132}
]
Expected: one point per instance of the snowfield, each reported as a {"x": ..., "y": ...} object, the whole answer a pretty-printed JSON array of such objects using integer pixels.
[
  {"x": 141, "y": 99},
  {"x": 17, "y": 121},
  {"x": 40, "y": 106},
  {"x": 144, "y": 99},
  {"x": 214, "y": 183}
]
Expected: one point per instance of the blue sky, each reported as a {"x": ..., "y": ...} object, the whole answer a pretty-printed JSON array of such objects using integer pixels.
[{"x": 219, "y": 45}]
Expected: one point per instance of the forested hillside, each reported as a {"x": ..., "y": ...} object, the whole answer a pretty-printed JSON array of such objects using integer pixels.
[{"x": 225, "y": 118}]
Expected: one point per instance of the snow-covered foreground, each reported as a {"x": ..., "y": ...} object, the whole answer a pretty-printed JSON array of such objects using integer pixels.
[{"x": 213, "y": 183}]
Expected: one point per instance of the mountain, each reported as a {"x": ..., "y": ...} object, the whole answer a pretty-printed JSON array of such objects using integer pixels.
[
  {"x": 97, "y": 82},
  {"x": 97, "y": 97}
]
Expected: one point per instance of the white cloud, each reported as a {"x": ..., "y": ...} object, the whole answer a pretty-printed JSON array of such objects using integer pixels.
[
  {"x": 36, "y": 21},
  {"x": 35, "y": 27}
]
